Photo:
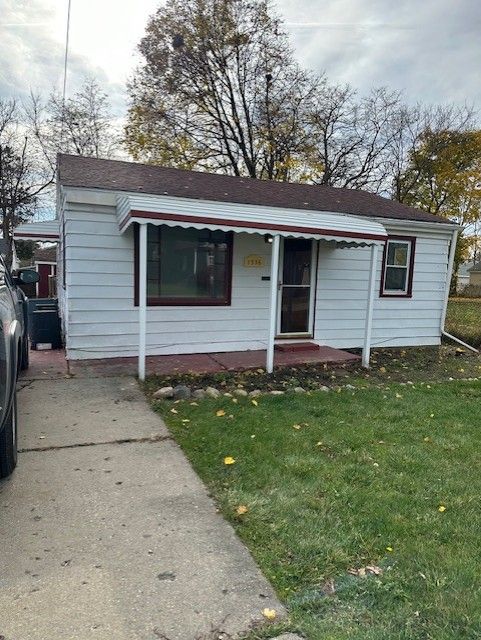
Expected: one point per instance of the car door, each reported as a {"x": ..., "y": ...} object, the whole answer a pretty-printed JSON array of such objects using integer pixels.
[{"x": 4, "y": 332}]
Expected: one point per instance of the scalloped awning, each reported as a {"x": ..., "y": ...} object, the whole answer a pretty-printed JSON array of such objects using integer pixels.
[{"x": 204, "y": 214}]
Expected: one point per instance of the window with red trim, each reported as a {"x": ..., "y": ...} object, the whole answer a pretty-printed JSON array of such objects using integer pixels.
[
  {"x": 187, "y": 266},
  {"x": 398, "y": 267}
]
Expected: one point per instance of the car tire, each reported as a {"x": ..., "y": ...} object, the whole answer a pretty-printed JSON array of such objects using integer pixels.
[
  {"x": 25, "y": 355},
  {"x": 8, "y": 442}
]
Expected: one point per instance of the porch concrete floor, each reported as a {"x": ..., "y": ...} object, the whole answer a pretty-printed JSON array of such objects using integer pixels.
[{"x": 48, "y": 364}]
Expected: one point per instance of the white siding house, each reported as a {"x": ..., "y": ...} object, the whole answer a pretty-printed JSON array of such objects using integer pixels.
[{"x": 325, "y": 239}]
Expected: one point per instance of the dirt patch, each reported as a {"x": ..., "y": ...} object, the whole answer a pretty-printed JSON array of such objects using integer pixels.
[{"x": 427, "y": 364}]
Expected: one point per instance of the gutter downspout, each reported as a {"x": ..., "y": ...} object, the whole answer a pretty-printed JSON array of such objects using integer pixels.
[{"x": 452, "y": 251}]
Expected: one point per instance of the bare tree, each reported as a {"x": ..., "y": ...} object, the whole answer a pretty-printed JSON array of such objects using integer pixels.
[
  {"x": 351, "y": 136},
  {"x": 23, "y": 174},
  {"x": 81, "y": 125},
  {"x": 218, "y": 89},
  {"x": 410, "y": 125}
]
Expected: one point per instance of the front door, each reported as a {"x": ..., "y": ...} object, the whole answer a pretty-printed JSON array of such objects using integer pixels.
[{"x": 297, "y": 283}]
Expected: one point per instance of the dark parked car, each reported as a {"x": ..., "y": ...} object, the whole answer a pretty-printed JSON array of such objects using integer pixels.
[{"x": 13, "y": 357}]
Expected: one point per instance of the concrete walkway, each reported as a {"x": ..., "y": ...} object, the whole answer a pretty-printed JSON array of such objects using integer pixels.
[
  {"x": 106, "y": 532},
  {"x": 52, "y": 364}
]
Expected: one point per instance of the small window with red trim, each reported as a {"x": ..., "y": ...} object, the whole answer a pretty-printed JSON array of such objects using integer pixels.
[{"x": 398, "y": 266}]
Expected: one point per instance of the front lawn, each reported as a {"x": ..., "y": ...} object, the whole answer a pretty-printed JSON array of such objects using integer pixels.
[{"x": 332, "y": 482}]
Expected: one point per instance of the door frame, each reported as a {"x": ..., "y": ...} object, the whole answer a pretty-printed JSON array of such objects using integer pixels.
[
  {"x": 312, "y": 294},
  {"x": 52, "y": 272}
]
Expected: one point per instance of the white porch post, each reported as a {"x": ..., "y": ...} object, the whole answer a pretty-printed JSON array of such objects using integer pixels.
[
  {"x": 366, "y": 351},
  {"x": 276, "y": 243},
  {"x": 142, "y": 297}
]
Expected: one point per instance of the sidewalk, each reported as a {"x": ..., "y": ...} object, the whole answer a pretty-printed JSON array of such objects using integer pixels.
[{"x": 107, "y": 533}]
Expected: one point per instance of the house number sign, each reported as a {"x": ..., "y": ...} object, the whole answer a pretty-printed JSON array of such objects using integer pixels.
[{"x": 254, "y": 261}]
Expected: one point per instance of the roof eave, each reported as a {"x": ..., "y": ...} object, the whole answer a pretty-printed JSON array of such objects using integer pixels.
[{"x": 438, "y": 225}]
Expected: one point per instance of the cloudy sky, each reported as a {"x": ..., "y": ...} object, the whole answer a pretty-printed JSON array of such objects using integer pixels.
[{"x": 430, "y": 49}]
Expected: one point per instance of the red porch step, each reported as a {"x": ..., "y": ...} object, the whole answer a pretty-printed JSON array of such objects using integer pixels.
[{"x": 292, "y": 347}]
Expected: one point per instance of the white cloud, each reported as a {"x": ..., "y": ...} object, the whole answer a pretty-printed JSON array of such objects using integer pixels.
[
  {"x": 429, "y": 49},
  {"x": 103, "y": 37}
]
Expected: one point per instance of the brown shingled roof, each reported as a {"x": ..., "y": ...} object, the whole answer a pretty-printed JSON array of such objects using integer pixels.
[{"x": 93, "y": 173}]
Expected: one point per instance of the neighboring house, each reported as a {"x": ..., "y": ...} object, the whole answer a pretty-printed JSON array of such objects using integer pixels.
[
  {"x": 165, "y": 261},
  {"x": 45, "y": 262},
  {"x": 462, "y": 280},
  {"x": 475, "y": 275}
]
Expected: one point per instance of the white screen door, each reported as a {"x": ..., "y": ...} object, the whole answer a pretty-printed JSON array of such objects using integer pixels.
[{"x": 297, "y": 282}]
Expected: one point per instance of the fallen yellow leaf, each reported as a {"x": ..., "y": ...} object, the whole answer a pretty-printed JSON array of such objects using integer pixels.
[
  {"x": 229, "y": 460},
  {"x": 398, "y": 395},
  {"x": 390, "y": 549},
  {"x": 185, "y": 421},
  {"x": 254, "y": 402},
  {"x": 241, "y": 509},
  {"x": 363, "y": 571},
  {"x": 296, "y": 426},
  {"x": 174, "y": 411},
  {"x": 442, "y": 508},
  {"x": 219, "y": 413},
  {"x": 269, "y": 614}
]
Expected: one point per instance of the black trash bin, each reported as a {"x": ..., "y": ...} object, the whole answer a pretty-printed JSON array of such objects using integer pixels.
[
  {"x": 38, "y": 303},
  {"x": 45, "y": 331}
]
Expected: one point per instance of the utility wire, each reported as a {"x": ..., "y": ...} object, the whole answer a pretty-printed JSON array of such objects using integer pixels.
[{"x": 65, "y": 65}]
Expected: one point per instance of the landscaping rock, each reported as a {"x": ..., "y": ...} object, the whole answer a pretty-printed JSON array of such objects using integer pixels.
[
  {"x": 182, "y": 392},
  {"x": 255, "y": 393},
  {"x": 349, "y": 386},
  {"x": 277, "y": 393},
  {"x": 324, "y": 388},
  {"x": 299, "y": 390},
  {"x": 210, "y": 392},
  {"x": 198, "y": 394},
  {"x": 288, "y": 636},
  {"x": 163, "y": 393},
  {"x": 228, "y": 395},
  {"x": 242, "y": 393}
]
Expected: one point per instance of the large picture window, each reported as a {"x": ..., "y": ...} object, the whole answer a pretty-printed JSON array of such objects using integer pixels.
[
  {"x": 188, "y": 266},
  {"x": 398, "y": 266}
]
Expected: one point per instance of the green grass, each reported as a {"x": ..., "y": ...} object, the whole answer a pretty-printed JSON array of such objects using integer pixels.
[
  {"x": 463, "y": 319},
  {"x": 367, "y": 470}
]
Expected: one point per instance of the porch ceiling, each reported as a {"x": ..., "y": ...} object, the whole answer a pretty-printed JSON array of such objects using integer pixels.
[{"x": 202, "y": 214}]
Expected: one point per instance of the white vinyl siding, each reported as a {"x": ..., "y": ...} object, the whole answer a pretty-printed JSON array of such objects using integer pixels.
[
  {"x": 102, "y": 321},
  {"x": 342, "y": 291},
  {"x": 102, "y": 318}
]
